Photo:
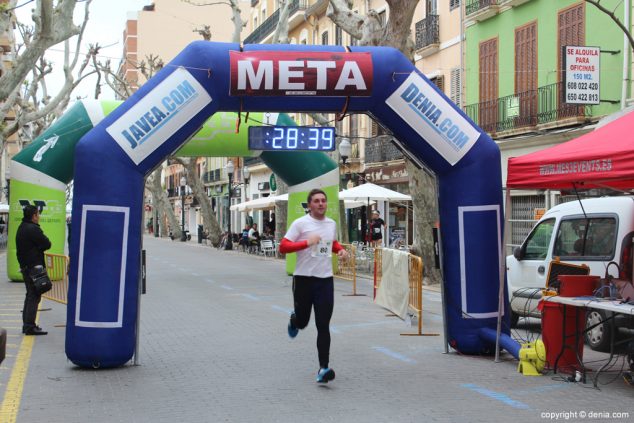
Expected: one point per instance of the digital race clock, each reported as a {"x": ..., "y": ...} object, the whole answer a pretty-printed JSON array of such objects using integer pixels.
[{"x": 286, "y": 138}]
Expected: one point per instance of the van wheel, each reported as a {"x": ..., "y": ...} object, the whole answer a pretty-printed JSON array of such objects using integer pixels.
[
  {"x": 598, "y": 338},
  {"x": 515, "y": 318}
]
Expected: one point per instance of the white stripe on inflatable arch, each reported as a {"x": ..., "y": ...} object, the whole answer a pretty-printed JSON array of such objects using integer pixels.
[
  {"x": 326, "y": 180},
  {"x": 29, "y": 175},
  {"x": 94, "y": 110}
]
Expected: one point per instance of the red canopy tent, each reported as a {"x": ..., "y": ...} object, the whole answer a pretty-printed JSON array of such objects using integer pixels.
[{"x": 599, "y": 159}]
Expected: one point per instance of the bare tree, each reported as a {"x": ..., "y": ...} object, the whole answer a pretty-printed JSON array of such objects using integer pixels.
[
  {"x": 35, "y": 108},
  {"x": 611, "y": 13},
  {"x": 236, "y": 17},
  {"x": 53, "y": 24},
  {"x": 396, "y": 33},
  {"x": 210, "y": 224}
]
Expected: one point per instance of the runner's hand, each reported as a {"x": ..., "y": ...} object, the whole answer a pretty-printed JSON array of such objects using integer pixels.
[
  {"x": 343, "y": 254},
  {"x": 313, "y": 239}
]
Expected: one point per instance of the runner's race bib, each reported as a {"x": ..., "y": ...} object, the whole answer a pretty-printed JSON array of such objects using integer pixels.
[
  {"x": 377, "y": 230},
  {"x": 322, "y": 249}
]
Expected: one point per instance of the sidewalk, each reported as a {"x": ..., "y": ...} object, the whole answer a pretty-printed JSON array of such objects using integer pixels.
[{"x": 213, "y": 347}]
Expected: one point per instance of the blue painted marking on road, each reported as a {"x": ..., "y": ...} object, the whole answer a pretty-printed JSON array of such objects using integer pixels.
[
  {"x": 394, "y": 354},
  {"x": 251, "y": 297},
  {"x": 496, "y": 396},
  {"x": 195, "y": 274},
  {"x": 333, "y": 329},
  {"x": 284, "y": 310},
  {"x": 228, "y": 288},
  {"x": 210, "y": 280}
]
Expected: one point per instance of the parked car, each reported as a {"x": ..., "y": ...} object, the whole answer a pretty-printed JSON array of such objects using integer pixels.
[{"x": 593, "y": 232}]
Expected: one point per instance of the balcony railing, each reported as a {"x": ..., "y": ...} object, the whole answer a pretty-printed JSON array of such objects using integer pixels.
[
  {"x": 525, "y": 110},
  {"x": 474, "y": 6},
  {"x": 269, "y": 25},
  {"x": 427, "y": 32},
  {"x": 380, "y": 150}
]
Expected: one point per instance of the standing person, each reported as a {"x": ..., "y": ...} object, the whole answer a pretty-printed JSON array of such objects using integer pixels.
[
  {"x": 30, "y": 243},
  {"x": 313, "y": 238},
  {"x": 375, "y": 229}
]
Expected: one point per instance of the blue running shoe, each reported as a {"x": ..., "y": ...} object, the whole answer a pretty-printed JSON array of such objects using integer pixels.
[
  {"x": 325, "y": 374},
  {"x": 292, "y": 330}
]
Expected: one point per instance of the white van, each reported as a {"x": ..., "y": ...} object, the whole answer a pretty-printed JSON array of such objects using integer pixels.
[{"x": 592, "y": 232}]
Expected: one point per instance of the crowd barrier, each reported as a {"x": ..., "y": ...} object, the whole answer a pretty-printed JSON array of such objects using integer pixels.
[
  {"x": 415, "y": 276},
  {"x": 57, "y": 268},
  {"x": 347, "y": 269}
]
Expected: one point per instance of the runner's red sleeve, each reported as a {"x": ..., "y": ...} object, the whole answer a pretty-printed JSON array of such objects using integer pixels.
[
  {"x": 336, "y": 247},
  {"x": 288, "y": 246}
]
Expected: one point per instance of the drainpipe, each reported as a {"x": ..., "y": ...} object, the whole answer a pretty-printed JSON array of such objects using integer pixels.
[
  {"x": 626, "y": 55},
  {"x": 462, "y": 81}
]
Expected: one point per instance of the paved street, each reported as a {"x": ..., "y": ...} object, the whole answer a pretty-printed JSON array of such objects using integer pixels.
[{"x": 214, "y": 348}]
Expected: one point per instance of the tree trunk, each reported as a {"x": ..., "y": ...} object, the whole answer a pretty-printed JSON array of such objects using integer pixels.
[
  {"x": 160, "y": 200},
  {"x": 210, "y": 224},
  {"x": 422, "y": 188},
  {"x": 281, "y": 211}
]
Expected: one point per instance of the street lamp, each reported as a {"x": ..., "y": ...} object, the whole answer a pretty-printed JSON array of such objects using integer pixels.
[
  {"x": 183, "y": 186},
  {"x": 345, "y": 149},
  {"x": 230, "y": 169}
]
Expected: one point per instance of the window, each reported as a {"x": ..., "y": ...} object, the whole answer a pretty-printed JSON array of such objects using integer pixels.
[
  {"x": 338, "y": 36},
  {"x": 439, "y": 81},
  {"x": 454, "y": 4},
  {"x": 455, "y": 88},
  {"x": 536, "y": 247},
  {"x": 431, "y": 7},
  {"x": 324, "y": 38},
  {"x": 595, "y": 237}
]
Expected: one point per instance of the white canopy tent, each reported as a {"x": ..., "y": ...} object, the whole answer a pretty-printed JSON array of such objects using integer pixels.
[
  {"x": 266, "y": 203},
  {"x": 367, "y": 192}
]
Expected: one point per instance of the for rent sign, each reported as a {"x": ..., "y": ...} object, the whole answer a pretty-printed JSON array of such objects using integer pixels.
[
  {"x": 582, "y": 74},
  {"x": 297, "y": 73}
]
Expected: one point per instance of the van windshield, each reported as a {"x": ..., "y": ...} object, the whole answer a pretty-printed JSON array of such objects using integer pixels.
[
  {"x": 538, "y": 240},
  {"x": 593, "y": 237}
]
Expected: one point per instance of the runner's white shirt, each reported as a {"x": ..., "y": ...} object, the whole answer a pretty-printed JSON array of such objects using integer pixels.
[{"x": 315, "y": 260}]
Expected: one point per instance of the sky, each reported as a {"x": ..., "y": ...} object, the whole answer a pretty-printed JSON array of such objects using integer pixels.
[{"x": 105, "y": 26}]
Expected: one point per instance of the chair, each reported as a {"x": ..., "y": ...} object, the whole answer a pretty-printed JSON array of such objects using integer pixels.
[{"x": 267, "y": 248}]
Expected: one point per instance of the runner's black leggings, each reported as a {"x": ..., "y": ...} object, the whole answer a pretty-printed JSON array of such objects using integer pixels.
[{"x": 314, "y": 292}]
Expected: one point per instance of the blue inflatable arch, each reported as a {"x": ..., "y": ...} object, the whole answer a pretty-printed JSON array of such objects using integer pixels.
[{"x": 209, "y": 77}]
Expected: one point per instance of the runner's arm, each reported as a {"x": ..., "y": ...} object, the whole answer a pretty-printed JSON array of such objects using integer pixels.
[
  {"x": 288, "y": 246},
  {"x": 336, "y": 247}
]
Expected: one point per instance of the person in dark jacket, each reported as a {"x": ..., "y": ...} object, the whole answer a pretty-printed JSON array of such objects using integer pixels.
[{"x": 30, "y": 244}]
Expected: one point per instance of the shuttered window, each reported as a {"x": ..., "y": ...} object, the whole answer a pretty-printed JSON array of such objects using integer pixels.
[
  {"x": 455, "y": 87},
  {"x": 488, "y": 84},
  {"x": 324, "y": 38},
  {"x": 571, "y": 32},
  {"x": 439, "y": 81},
  {"x": 526, "y": 72},
  {"x": 453, "y": 4}
]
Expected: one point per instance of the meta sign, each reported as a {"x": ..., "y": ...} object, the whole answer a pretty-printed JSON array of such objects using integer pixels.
[
  {"x": 582, "y": 74},
  {"x": 267, "y": 73}
]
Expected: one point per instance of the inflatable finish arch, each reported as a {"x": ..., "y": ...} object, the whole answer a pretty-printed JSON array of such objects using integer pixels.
[{"x": 210, "y": 77}]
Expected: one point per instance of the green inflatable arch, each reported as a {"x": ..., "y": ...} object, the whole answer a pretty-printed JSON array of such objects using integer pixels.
[{"x": 41, "y": 172}]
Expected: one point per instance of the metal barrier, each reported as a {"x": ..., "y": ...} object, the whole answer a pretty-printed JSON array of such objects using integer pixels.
[
  {"x": 415, "y": 277},
  {"x": 347, "y": 269},
  {"x": 57, "y": 268}
]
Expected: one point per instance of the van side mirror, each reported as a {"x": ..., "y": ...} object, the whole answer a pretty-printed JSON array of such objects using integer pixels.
[{"x": 517, "y": 253}]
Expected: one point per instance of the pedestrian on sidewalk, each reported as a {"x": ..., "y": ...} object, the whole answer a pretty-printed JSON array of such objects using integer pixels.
[
  {"x": 31, "y": 243},
  {"x": 313, "y": 238}
]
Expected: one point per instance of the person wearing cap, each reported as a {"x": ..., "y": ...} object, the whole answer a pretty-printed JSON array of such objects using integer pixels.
[
  {"x": 31, "y": 243},
  {"x": 376, "y": 235}
]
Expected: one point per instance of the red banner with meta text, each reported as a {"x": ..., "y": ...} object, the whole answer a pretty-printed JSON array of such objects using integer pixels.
[{"x": 295, "y": 73}]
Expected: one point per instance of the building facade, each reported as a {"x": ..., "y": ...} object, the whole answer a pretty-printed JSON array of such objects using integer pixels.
[{"x": 514, "y": 79}]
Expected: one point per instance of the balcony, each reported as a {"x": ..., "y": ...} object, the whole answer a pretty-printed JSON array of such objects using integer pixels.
[
  {"x": 428, "y": 36},
  {"x": 380, "y": 150},
  {"x": 512, "y": 3},
  {"x": 479, "y": 10},
  {"x": 528, "y": 111},
  {"x": 267, "y": 27}
]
